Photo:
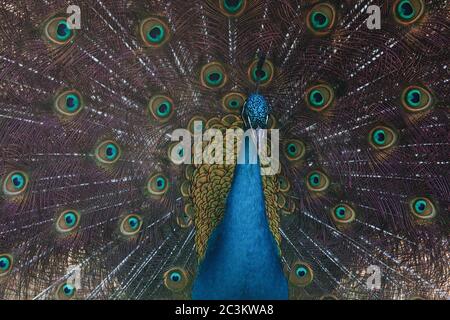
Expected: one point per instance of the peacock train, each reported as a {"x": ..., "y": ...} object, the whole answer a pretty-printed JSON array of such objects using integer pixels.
[{"x": 99, "y": 201}]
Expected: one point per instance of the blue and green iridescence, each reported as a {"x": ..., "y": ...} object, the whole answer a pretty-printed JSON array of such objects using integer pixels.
[
  {"x": 259, "y": 75},
  {"x": 111, "y": 152},
  {"x": 68, "y": 290},
  {"x": 379, "y": 137},
  {"x": 420, "y": 206},
  {"x": 405, "y": 10},
  {"x": 160, "y": 183},
  {"x": 233, "y": 6},
  {"x": 72, "y": 102},
  {"x": 5, "y": 263},
  {"x": 233, "y": 104},
  {"x": 314, "y": 180},
  {"x": 133, "y": 223},
  {"x": 70, "y": 219},
  {"x": 164, "y": 109},
  {"x": 413, "y": 98},
  {"x": 18, "y": 181},
  {"x": 62, "y": 31},
  {"x": 175, "y": 277},
  {"x": 156, "y": 34},
  {"x": 214, "y": 78},
  {"x": 316, "y": 98},
  {"x": 301, "y": 272},
  {"x": 340, "y": 212},
  {"x": 319, "y": 21},
  {"x": 292, "y": 149}
]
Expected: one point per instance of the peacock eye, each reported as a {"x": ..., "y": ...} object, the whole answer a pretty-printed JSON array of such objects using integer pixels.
[
  {"x": 108, "y": 152},
  {"x": 6, "y": 263},
  {"x": 154, "y": 32},
  {"x": 262, "y": 76},
  {"x": 232, "y": 8},
  {"x": 283, "y": 184},
  {"x": 422, "y": 208},
  {"x": 158, "y": 184},
  {"x": 294, "y": 150},
  {"x": 69, "y": 103},
  {"x": 301, "y": 274},
  {"x": 317, "y": 181},
  {"x": 176, "y": 279},
  {"x": 321, "y": 18},
  {"x": 319, "y": 97},
  {"x": 233, "y": 102},
  {"x": 416, "y": 98},
  {"x": 65, "y": 291},
  {"x": 131, "y": 225},
  {"x": 57, "y": 31},
  {"x": 161, "y": 108},
  {"x": 343, "y": 213},
  {"x": 382, "y": 137},
  {"x": 68, "y": 221},
  {"x": 213, "y": 75},
  {"x": 15, "y": 183},
  {"x": 408, "y": 11}
]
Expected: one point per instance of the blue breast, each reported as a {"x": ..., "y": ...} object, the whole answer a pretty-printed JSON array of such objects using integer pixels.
[{"x": 242, "y": 259}]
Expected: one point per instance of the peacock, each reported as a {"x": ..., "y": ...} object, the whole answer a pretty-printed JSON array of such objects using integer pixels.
[{"x": 98, "y": 199}]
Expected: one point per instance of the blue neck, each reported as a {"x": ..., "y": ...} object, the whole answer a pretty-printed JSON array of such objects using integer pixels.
[{"x": 242, "y": 260}]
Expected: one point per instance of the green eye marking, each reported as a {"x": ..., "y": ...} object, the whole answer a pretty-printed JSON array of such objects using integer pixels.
[
  {"x": 317, "y": 181},
  {"x": 382, "y": 137},
  {"x": 416, "y": 98},
  {"x": 15, "y": 183},
  {"x": 131, "y": 225},
  {"x": 213, "y": 75},
  {"x": 176, "y": 279},
  {"x": 68, "y": 221},
  {"x": 157, "y": 185},
  {"x": 233, "y": 102},
  {"x": 62, "y": 31},
  {"x": 321, "y": 19},
  {"x": 57, "y": 31},
  {"x": 68, "y": 103},
  {"x": 343, "y": 214},
  {"x": 66, "y": 291},
  {"x": 232, "y": 8},
  {"x": 294, "y": 150},
  {"x": 316, "y": 98},
  {"x": 379, "y": 137},
  {"x": 314, "y": 179},
  {"x": 340, "y": 212},
  {"x": 422, "y": 208},
  {"x": 408, "y": 11},
  {"x": 214, "y": 78},
  {"x": 319, "y": 97},
  {"x": 108, "y": 152},
  {"x": 301, "y": 274},
  {"x": 154, "y": 32},
  {"x": 6, "y": 263},
  {"x": 263, "y": 76},
  {"x": 161, "y": 108}
]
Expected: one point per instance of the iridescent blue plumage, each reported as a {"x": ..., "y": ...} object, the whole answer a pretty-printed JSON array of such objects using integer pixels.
[{"x": 256, "y": 111}]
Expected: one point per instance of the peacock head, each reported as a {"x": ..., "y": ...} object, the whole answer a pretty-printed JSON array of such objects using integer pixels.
[{"x": 256, "y": 111}]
